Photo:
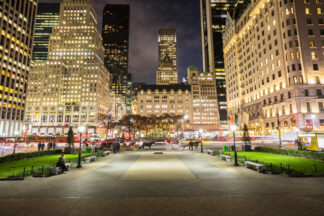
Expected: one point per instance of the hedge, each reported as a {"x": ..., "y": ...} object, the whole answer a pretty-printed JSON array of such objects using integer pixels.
[
  {"x": 19, "y": 156},
  {"x": 297, "y": 153}
]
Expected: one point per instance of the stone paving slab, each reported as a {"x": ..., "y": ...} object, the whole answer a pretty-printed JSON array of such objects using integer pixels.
[{"x": 157, "y": 167}]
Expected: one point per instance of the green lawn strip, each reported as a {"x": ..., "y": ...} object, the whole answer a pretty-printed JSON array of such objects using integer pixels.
[
  {"x": 14, "y": 167},
  {"x": 302, "y": 165}
]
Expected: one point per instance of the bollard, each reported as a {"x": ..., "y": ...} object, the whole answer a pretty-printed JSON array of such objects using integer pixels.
[
  {"x": 315, "y": 168},
  {"x": 32, "y": 170},
  {"x": 42, "y": 170},
  {"x": 24, "y": 173}
]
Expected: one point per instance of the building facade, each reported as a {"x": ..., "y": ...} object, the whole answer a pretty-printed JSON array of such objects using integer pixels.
[
  {"x": 17, "y": 20},
  {"x": 160, "y": 99},
  {"x": 71, "y": 88},
  {"x": 115, "y": 34},
  {"x": 274, "y": 65},
  {"x": 213, "y": 19},
  {"x": 47, "y": 16},
  {"x": 204, "y": 110},
  {"x": 167, "y": 72}
]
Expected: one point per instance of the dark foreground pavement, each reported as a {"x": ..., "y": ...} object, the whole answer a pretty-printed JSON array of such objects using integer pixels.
[{"x": 184, "y": 183}]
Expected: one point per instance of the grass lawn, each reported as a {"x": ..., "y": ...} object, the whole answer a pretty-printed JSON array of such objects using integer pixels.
[
  {"x": 299, "y": 164},
  {"x": 14, "y": 167}
]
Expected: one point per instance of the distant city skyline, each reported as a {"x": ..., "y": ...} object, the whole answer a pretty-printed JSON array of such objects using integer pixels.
[{"x": 147, "y": 17}]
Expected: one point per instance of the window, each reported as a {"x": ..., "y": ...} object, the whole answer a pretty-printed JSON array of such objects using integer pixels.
[
  {"x": 308, "y": 107},
  {"x": 320, "y": 21},
  {"x": 306, "y": 92},
  {"x": 309, "y": 21},
  {"x": 321, "y": 32},
  {"x": 315, "y": 67},
  {"x": 311, "y": 44},
  {"x": 306, "y": 10},
  {"x": 310, "y": 32},
  {"x": 318, "y": 92},
  {"x": 313, "y": 54},
  {"x": 320, "y": 106},
  {"x": 317, "y": 80},
  {"x": 319, "y": 11}
]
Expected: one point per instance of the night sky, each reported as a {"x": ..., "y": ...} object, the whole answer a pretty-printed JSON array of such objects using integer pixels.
[{"x": 147, "y": 17}]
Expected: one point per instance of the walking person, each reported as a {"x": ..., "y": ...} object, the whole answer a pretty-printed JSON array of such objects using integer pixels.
[
  {"x": 39, "y": 146},
  {"x": 190, "y": 145},
  {"x": 54, "y": 145},
  {"x": 43, "y": 146}
]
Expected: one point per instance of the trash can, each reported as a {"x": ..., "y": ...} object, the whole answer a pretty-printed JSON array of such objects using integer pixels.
[
  {"x": 224, "y": 148},
  {"x": 88, "y": 149},
  {"x": 114, "y": 148}
]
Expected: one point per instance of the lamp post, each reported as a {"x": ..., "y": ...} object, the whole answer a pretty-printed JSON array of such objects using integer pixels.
[
  {"x": 15, "y": 145},
  {"x": 81, "y": 130},
  {"x": 234, "y": 128},
  {"x": 185, "y": 118},
  {"x": 3, "y": 143},
  {"x": 200, "y": 137}
]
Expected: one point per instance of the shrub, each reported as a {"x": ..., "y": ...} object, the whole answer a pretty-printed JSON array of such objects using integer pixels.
[
  {"x": 19, "y": 156},
  {"x": 297, "y": 153}
]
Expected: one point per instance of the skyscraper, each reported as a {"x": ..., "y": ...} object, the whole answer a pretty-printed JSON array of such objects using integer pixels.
[
  {"x": 72, "y": 86},
  {"x": 167, "y": 72},
  {"x": 115, "y": 34},
  {"x": 47, "y": 16},
  {"x": 17, "y": 19},
  {"x": 213, "y": 20}
]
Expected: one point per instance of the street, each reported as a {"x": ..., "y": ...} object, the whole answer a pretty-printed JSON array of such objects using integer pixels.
[{"x": 173, "y": 183}]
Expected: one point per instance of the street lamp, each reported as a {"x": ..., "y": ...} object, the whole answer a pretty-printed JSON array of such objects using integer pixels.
[
  {"x": 15, "y": 145},
  {"x": 81, "y": 130},
  {"x": 234, "y": 128},
  {"x": 200, "y": 136}
]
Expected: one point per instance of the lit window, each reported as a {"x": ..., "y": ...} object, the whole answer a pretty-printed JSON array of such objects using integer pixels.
[{"x": 307, "y": 10}]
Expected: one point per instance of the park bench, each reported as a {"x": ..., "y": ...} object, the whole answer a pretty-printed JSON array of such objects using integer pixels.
[
  {"x": 251, "y": 165},
  {"x": 105, "y": 153},
  {"x": 210, "y": 152},
  {"x": 159, "y": 152},
  {"x": 56, "y": 170},
  {"x": 90, "y": 159},
  {"x": 225, "y": 157}
]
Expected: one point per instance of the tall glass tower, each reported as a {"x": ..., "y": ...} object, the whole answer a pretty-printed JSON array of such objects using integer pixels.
[
  {"x": 47, "y": 16},
  {"x": 115, "y": 35},
  {"x": 213, "y": 20},
  {"x": 167, "y": 72}
]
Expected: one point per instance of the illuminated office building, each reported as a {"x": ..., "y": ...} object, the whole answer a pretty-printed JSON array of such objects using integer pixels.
[
  {"x": 213, "y": 18},
  {"x": 115, "y": 34},
  {"x": 167, "y": 72},
  {"x": 70, "y": 88},
  {"x": 275, "y": 65},
  {"x": 204, "y": 110},
  {"x": 47, "y": 16},
  {"x": 17, "y": 19}
]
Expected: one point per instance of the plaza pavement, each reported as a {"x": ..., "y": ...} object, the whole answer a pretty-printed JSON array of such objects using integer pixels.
[{"x": 174, "y": 183}]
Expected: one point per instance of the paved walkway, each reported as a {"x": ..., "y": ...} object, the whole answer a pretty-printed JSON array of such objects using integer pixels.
[{"x": 175, "y": 183}]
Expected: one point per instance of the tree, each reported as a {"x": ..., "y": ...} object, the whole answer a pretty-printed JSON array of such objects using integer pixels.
[
  {"x": 246, "y": 136},
  {"x": 70, "y": 140}
]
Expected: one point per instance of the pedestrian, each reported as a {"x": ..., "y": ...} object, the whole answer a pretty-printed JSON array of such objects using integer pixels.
[
  {"x": 48, "y": 146},
  {"x": 43, "y": 146},
  {"x": 191, "y": 145},
  {"x": 39, "y": 146},
  {"x": 54, "y": 145},
  {"x": 61, "y": 163}
]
